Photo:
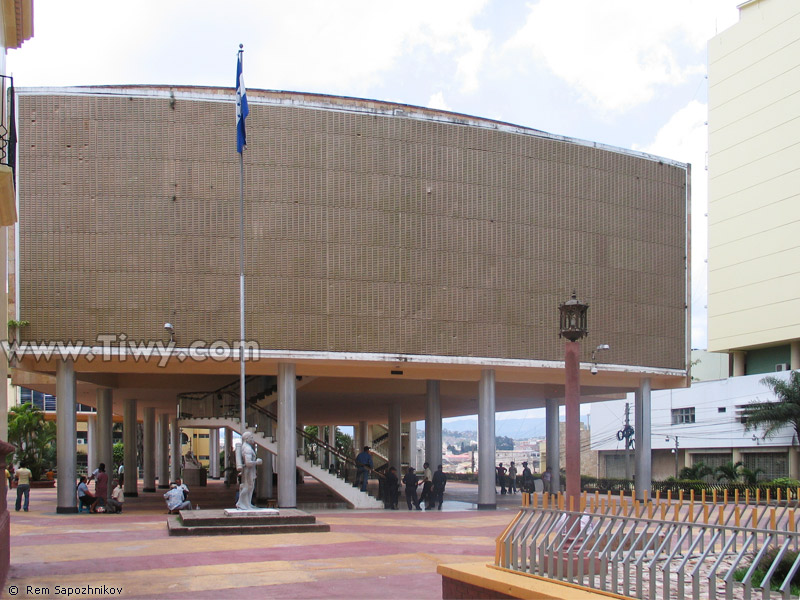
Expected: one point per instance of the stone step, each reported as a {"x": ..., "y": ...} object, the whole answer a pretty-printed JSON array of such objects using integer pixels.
[{"x": 215, "y": 522}]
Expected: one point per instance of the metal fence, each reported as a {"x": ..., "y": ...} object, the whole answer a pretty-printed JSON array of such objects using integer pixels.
[{"x": 628, "y": 550}]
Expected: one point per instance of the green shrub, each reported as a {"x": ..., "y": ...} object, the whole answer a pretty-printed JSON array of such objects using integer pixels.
[{"x": 785, "y": 565}]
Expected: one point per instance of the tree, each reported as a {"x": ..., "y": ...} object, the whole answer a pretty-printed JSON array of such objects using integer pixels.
[
  {"x": 696, "y": 472},
  {"x": 119, "y": 455},
  {"x": 774, "y": 415},
  {"x": 730, "y": 471},
  {"x": 33, "y": 437},
  {"x": 751, "y": 476},
  {"x": 503, "y": 443}
]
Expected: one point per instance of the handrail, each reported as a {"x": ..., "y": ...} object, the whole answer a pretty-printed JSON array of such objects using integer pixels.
[
  {"x": 324, "y": 445},
  {"x": 639, "y": 556},
  {"x": 231, "y": 388},
  {"x": 225, "y": 389}
]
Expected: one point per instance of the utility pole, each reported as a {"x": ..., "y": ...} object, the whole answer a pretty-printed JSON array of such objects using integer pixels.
[{"x": 626, "y": 433}]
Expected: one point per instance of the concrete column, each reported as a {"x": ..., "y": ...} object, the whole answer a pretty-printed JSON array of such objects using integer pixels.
[
  {"x": 412, "y": 445},
  {"x": 331, "y": 441},
  {"x": 395, "y": 436},
  {"x": 433, "y": 425},
  {"x": 175, "y": 449},
  {"x": 213, "y": 458},
  {"x": 300, "y": 440},
  {"x": 553, "y": 443},
  {"x": 91, "y": 443},
  {"x": 794, "y": 357},
  {"x": 105, "y": 439},
  {"x": 572, "y": 403},
  {"x": 149, "y": 450},
  {"x": 263, "y": 476},
  {"x": 794, "y": 463},
  {"x": 644, "y": 452},
  {"x": 163, "y": 451},
  {"x": 487, "y": 493},
  {"x": 228, "y": 447},
  {"x": 287, "y": 445},
  {"x": 130, "y": 487},
  {"x": 363, "y": 435},
  {"x": 264, "y": 472},
  {"x": 739, "y": 363},
  {"x": 736, "y": 456},
  {"x": 66, "y": 437}
]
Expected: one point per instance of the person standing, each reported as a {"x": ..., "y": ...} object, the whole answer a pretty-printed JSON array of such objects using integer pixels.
[
  {"x": 412, "y": 481},
  {"x": 512, "y": 478},
  {"x": 427, "y": 486},
  {"x": 23, "y": 477},
  {"x": 547, "y": 478},
  {"x": 439, "y": 482},
  {"x": 501, "y": 478},
  {"x": 101, "y": 485},
  {"x": 364, "y": 464},
  {"x": 391, "y": 492},
  {"x": 527, "y": 479}
]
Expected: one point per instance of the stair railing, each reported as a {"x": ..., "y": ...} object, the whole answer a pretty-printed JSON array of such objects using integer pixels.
[
  {"x": 349, "y": 464},
  {"x": 224, "y": 403}
]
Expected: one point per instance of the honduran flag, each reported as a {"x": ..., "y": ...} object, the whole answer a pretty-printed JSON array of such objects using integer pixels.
[{"x": 241, "y": 105}]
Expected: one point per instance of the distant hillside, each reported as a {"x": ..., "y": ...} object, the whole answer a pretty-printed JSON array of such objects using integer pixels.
[{"x": 518, "y": 429}]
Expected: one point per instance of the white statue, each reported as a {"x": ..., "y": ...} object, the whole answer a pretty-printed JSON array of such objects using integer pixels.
[{"x": 246, "y": 463}]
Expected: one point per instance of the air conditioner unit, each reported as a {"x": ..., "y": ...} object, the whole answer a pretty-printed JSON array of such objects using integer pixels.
[{"x": 782, "y": 367}]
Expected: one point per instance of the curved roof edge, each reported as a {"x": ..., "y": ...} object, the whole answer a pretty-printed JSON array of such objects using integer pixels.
[{"x": 328, "y": 102}]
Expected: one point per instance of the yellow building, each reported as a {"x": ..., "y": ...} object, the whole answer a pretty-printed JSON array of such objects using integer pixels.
[{"x": 754, "y": 188}]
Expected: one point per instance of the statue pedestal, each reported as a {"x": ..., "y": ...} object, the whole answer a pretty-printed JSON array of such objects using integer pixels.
[
  {"x": 232, "y": 521},
  {"x": 254, "y": 512}
]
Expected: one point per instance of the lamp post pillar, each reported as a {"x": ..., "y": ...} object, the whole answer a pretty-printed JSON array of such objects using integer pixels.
[
  {"x": 573, "y": 327},
  {"x": 572, "y": 401}
]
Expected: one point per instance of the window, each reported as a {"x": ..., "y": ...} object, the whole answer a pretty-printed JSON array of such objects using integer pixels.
[
  {"x": 680, "y": 416},
  {"x": 722, "y": 409},
  {"x": 768, "y": 464}
]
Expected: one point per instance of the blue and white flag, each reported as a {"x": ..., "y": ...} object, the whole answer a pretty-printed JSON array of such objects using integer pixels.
[{"x": 241, "y": 106}]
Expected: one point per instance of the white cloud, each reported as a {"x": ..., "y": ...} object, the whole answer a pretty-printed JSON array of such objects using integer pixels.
[
  {"x": 364, "y": 40},
  {"x": 685, "y": 137},
  {"x": 617, "y": 53},
  {"x": 306, "y": 45},
  {"x": 437, "y": 101}
]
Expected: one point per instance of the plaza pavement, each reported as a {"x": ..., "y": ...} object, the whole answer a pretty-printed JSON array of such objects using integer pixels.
[{"x": 367, "y": 554}]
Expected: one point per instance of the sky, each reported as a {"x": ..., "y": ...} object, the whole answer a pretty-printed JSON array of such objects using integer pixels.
[{"x": 627, "y": 73}]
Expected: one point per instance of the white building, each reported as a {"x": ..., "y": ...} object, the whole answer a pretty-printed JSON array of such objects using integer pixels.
[{"x": 705, "y": 423}]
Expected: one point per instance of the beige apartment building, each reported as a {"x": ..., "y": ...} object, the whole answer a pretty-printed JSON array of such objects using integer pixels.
[{"x": 754, "y": 189}]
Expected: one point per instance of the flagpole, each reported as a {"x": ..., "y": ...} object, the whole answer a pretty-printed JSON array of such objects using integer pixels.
[
  {"x": 241, "y": 291},
  {"x": 241, "y": 271}
]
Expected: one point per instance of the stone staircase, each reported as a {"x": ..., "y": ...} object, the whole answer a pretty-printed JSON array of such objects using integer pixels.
[{"x": 349, "y": 493}]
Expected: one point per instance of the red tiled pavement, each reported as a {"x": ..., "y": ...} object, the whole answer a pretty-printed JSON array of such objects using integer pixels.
[{"x": 367, "y": 554}]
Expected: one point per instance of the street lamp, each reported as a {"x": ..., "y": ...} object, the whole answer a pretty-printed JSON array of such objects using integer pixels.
[
  {"x": 572, "y": 328},
  {"x": 666, "y": 439}
]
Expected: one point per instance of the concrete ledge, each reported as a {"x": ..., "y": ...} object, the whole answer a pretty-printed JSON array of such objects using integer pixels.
[{"x": 479, "y": 580}]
